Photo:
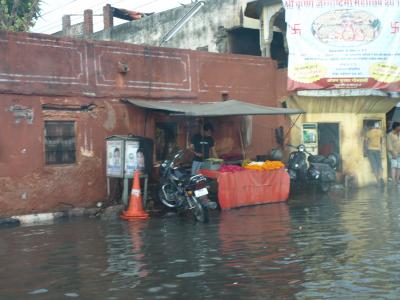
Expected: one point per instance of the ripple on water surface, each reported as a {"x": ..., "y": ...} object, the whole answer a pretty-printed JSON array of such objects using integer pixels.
[{"x": 313, "y": 247}]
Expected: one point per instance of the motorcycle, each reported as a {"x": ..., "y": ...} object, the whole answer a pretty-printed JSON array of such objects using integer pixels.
[
  {"x": 180, "y": 190},
  {"x": 316, "y": 169}
]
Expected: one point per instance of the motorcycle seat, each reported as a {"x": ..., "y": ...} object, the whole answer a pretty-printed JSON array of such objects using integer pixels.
[{"x": 316, "y": 158}]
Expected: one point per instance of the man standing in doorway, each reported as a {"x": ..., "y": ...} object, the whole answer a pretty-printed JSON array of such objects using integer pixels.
[
  {"x": 201, "y": 145},
  {"x": 374, "y": 146},
  {"x": 393, "y": 147}
]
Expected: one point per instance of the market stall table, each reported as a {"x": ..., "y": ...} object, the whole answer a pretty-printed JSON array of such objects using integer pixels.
[{"x": 250, "y": 187}]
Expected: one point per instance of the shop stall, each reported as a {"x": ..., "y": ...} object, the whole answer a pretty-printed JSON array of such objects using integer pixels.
[
  {"x": 250, "y": 187},
  {"x": 245, "y": 183}
]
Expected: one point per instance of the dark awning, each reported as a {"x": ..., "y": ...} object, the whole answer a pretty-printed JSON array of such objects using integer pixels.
[{"x": 212, "y": 109}]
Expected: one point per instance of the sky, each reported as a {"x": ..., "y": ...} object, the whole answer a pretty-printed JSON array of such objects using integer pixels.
[{"x": 52, "y": 11}]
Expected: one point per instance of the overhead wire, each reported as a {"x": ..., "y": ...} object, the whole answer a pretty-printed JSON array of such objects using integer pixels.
[
  {"x": 55, "y": 24},
  {"x": 50, "y": 25},
  {"x": 74, "y": 19},
  {"x": 140, "y": 6},
  {"x": 49, "y": 12}
]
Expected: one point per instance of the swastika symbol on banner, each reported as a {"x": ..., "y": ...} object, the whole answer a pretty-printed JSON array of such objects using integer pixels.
[
  {"x": 295, "y": 29},
  {"x": 395, "y": 27}
]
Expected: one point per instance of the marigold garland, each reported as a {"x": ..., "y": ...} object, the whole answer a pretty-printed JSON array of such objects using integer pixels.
[{"x": 264, "y": 166}]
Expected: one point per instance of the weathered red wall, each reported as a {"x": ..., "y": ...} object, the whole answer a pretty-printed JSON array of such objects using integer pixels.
[{"x": 40, "y": 69}]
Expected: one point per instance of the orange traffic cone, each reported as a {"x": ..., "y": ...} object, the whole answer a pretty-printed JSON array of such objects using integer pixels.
[{"x": 135, "y": 208}]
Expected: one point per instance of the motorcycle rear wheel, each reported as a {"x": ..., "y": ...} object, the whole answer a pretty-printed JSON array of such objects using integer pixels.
[
  {"x": 325, "y": 186},
  {"x": 200, "y": 212}
]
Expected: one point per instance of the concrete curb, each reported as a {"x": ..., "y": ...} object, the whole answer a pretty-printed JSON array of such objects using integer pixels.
[
  {"x": 46, "y": 218},
  {"x": 38, "y": 218},
  {"x": 9, "y": 222}
]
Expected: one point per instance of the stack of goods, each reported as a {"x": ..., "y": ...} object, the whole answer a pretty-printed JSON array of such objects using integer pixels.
[
  {"x": 268, "y": 165},
  {"x": 230, "y": 168},
  {"x": 212, "y": 163},
  {"x": 231, "y": 156}
]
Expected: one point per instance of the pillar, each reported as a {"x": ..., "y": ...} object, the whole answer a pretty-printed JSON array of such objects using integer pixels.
[
  {"x": 108, "y": 19},
  {"x": 87, "y": 23}
]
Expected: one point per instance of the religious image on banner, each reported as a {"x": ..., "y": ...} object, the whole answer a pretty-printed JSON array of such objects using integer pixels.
[
  {"x": 343, "y": 44},
  {"x": 346, "y": 28}
]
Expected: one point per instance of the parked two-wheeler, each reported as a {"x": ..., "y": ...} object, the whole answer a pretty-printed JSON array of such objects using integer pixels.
[
  {"x": 180, "y": 190},
  {"x": 317, "y": 170}
]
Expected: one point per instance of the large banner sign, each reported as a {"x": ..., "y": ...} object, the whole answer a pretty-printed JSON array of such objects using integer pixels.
[{"x": 343, "y": 44}]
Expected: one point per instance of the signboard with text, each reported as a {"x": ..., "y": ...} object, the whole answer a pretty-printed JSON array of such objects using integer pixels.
[{"x": 343, "y": 44}]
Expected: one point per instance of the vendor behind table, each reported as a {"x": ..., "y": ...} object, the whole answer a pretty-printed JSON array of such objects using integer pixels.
[{"x": 201, "y": 145}]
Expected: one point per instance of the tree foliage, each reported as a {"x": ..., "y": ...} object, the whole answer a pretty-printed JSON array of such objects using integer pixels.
[{"x": 18, "y": 15}]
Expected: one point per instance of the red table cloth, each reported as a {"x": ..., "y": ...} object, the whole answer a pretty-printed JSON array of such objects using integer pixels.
[{"x": 250, "y": 187}]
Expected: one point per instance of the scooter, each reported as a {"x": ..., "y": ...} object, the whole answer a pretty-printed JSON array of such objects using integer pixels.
[
  {"x": 180, "y": 190},
  {"x": 316, "y": 170}
]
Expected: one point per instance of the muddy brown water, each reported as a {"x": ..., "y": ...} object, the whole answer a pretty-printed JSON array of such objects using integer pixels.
[{"x": 313, "y": 247}]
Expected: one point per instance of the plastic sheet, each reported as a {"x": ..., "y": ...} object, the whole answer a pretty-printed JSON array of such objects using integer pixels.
[{"x": 250, "y": 187}]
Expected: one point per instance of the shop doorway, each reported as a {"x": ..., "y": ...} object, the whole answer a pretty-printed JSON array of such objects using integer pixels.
[
  {"x": 328, "y": 138},
  {"x": 165, "y": 139}
]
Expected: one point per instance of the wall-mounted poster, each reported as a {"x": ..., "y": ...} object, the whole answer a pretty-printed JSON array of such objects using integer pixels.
[
  {"x": 134, "y": 159},
  {"x": 349, "y": 44},
  {"x": 310, "y": 137},
  {"x": 310, "y": 133},
  {"x": 115, "y": 154}
]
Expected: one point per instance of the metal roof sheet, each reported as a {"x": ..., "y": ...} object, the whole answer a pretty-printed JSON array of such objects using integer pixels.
[{"x": 212, "y": 109}]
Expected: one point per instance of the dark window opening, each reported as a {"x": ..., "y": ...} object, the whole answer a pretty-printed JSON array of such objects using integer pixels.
[
  {"x": 166, "y": 139},
  {"x": 60, "y": 142},
  {"x": 244, "y": 41},
  {"x": 392, "y": 115},
  {"x": 278, "y": 52}
]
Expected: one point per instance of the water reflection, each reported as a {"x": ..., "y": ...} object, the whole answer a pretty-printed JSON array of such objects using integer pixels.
[
  {"x": 314, "y": 247},
  {"x": 345, "y": 256},
  {"x": 257, "y": 247},
  {"x": 125, "y": 255}
]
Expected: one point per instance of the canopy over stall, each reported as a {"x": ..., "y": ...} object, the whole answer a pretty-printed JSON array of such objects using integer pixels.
[
  {"x": 269, "y": 187},
  {"x": 212, "y": 109}
]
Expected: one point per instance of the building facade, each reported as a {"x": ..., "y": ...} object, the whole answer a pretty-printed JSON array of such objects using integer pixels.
[
  {"x": 61, "y": 97},
  {"x": 339, "y": 117},
  {"x": 218, "y": 26}
]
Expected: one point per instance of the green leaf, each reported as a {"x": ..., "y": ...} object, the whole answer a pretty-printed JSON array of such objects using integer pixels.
[{"x": 18, "y": 15}]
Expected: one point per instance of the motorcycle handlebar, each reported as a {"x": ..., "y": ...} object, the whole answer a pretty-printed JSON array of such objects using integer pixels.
[{"x": 298, "y": 148}]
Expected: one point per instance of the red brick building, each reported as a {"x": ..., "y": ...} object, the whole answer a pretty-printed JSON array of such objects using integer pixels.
[{"x": 69, "y": 90}]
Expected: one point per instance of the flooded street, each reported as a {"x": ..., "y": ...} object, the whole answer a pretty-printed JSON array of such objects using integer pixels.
[{"x": 313, "y": 247}]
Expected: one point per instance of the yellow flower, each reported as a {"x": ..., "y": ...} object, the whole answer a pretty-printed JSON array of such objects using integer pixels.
[
  {"x": 266, "y": 166},
  {"x": 246, "y": 162}
]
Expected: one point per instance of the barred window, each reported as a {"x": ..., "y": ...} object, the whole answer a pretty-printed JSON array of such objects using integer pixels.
[{"x": 60, "y": 142}]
